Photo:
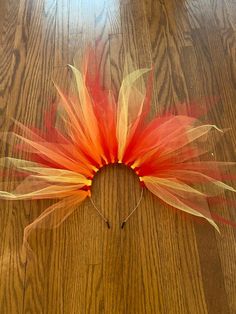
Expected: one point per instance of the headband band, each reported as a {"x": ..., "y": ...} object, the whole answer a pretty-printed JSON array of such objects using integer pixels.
[{"x": 125, "y": 220}]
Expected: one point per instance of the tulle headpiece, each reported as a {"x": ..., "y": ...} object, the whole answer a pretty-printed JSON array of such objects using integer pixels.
[{"x": 96, "y": 128}]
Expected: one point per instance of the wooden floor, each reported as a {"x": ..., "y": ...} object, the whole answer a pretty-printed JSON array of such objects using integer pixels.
[{"x": 162, "y": 261}]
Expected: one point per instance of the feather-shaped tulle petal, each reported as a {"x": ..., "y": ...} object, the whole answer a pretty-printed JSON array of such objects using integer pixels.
[
  {"x": 54, "y": 215},
  {"x": 96, "y": 129},
  {"x": 42, "y": 182},
  {"x": 129, "y": 108},
  {"x": 178, "y": 201}
]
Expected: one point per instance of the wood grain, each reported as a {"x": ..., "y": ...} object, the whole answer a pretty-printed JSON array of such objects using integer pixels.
[{"x": 162, "y": 261}]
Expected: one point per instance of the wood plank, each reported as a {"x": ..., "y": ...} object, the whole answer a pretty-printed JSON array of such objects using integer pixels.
[
  {"x": 208, "y": 256},
  {"x": 13, "y": 263},
  {"x": 39, "y": 66}
]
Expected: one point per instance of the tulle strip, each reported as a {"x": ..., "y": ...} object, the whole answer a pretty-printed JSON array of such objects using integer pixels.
[
  {"x": 54, "y": 215},
  {"x": 187, "y": 198}
]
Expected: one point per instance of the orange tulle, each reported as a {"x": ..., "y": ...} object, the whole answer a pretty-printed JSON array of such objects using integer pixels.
[{"x": 94, "y": 129}]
